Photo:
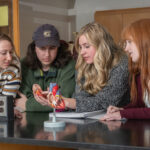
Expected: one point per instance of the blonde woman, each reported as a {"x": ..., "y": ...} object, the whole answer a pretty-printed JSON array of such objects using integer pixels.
[{"x": 102, "y": 71}]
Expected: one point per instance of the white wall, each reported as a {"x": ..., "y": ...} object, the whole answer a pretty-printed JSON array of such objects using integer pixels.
[
  {"x": 67, "y": 15},
  {"x": 34, "y": 13}
]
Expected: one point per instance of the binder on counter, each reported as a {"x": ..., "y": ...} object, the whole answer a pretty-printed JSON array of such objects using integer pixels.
[{"x": 77, "y": 115}]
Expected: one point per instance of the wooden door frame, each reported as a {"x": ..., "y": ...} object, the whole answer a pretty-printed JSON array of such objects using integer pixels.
[{"x": 16, "y": 28}]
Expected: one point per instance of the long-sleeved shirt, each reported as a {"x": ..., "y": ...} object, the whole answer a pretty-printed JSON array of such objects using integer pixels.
[
  {"x": 116, "y": 92},
  {"x": 137, "y": 110},
  {"x": 10, "y": 78}
]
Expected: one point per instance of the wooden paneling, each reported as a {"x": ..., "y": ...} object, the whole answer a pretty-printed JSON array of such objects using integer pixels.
[
  {"x": 128, "y": 18},
  {"x": 113, "y": 23},
  {"x": 5, "y": 146},
  {"x": 4, "y": 30},
  {"x": 115, "y": 20},
  {"x": 16, "y": 28}
]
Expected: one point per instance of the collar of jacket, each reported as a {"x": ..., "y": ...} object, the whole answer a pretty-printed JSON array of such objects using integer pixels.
[{"x": 38, "y": 73}]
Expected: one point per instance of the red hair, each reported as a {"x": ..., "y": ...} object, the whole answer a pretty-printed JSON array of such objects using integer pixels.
[{"x": 139, "y": 32}]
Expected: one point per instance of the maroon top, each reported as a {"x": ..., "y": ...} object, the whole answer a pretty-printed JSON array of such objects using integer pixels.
[{"x": 138, "y": 110}]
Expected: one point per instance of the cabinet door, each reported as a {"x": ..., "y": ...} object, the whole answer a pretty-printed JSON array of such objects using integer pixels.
[
  {"x": 116, "y": 20},
  {"x": 133, "y": 16},
  {"x": 7, "y": 29},
  {"x": 112, "y": 22},
  {"x": 12, "y": 28}
]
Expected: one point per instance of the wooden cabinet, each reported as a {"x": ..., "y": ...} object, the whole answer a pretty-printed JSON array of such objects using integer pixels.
[
  {"x": 6, "y": 146},
  {"x": 115, "y": 20},
  {"x": 12, "y": 29},
  {"x": 7, "y": 29}
]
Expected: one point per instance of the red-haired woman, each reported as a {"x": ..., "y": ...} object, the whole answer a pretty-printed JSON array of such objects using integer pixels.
[{"x": 137, "y": 46}]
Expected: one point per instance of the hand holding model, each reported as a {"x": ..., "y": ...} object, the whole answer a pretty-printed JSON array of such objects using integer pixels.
[
  {"x": 39, "y": 94},
  {"x": 37, "y": 90}
]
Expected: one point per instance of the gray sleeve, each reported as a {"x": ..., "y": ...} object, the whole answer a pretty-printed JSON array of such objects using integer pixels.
[{"x": 111, "y": 94}]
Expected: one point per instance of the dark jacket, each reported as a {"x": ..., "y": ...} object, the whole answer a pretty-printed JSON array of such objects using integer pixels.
[{"x": 64, "y": 77}]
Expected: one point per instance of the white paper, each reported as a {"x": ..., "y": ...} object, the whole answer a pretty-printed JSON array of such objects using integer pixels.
[
  {"x": 77, "y": 115},
  {"x": 97, "y": 117}
]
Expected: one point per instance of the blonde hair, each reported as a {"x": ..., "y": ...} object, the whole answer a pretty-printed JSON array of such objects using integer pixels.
[{"x": 107, "y": 55}]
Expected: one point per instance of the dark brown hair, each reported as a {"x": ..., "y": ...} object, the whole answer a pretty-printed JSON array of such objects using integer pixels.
[
  {"x": 7, "y": 38},
  {"x": 62, "y": 58}
]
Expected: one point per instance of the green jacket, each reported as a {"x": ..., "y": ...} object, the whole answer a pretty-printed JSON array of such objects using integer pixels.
[{"x": 64, "y": 77}]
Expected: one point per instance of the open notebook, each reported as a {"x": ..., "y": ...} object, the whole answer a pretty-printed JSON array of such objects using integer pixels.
[{"x": 77, "y": 115}]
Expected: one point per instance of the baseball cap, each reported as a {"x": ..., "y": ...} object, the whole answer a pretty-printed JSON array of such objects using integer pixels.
[{"x": 45, "y": 35}]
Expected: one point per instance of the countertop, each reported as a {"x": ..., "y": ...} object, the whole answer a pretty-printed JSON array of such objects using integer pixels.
[{"x": 77, "y": 133}]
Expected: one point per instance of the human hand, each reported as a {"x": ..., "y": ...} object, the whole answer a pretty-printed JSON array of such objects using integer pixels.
[
  {"x": 20, "y": 103},
  {"x": 112, "y": 109},
  {"x": 23, "y": 120},
  {"x": 43, "y": 100},
  {"x": 36, "y": 90},
  {"x": 39, "y": 95},
  {"x": 17, "y": 113},
  {"x": 112, "y": 116},
  {"x": 112, "y": 125}
]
